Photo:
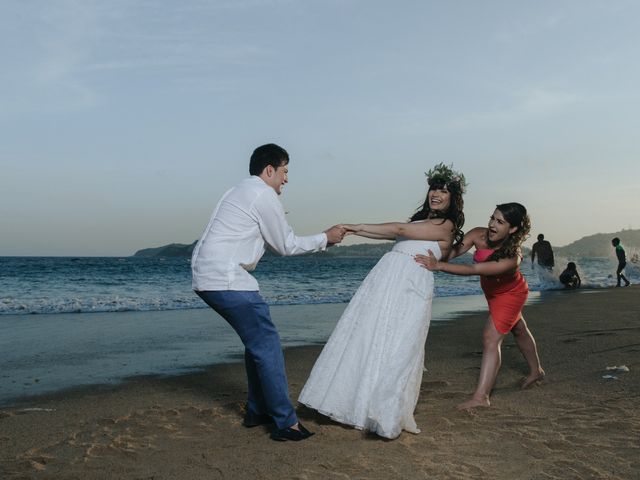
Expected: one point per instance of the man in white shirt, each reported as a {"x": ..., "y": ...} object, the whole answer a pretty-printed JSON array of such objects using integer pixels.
[{"x": 248, "y": 218}]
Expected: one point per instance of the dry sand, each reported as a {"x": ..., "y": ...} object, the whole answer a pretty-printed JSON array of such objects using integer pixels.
[{"x": 576, "y": 425}]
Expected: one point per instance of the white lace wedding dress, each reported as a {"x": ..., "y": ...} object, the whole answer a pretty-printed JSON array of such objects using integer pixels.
[{"x": 369, "y": 372}]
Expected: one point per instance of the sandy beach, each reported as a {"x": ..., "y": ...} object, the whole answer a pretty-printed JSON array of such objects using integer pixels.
[{"x": 575, "y": 425}]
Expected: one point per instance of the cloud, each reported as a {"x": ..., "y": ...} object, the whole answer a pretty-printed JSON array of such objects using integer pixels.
[
  {"x": 514, "y": 108},
  {"x": 53, "y": 41},
  {"x": 523, "y": 105},
  {"x": 74, "y": 50},
  {"x": 518, "y": 31},
  {"x": 543, "y": 101}
]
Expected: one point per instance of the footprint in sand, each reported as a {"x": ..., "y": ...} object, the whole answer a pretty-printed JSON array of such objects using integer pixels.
[
  {"x": 472, "y": 354},
  {"x": 436, "y": 384},
  {"x": 599, "y": 334},
  {"x": 571, "y": 340},
  {"x": 579, "y": 469}
]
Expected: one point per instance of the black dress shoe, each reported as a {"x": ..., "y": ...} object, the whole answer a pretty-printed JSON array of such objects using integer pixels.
[
  {"x": 291, "y": 434},
  {"x": 256, "y": 419}
]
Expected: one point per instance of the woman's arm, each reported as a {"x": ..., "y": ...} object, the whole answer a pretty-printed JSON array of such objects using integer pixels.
[
  {"x": 467, "y": 242},
  {"x": 488, "y": 268},
  {"x": 351, "y": 230},
  {"x": 434, "y": 229}
]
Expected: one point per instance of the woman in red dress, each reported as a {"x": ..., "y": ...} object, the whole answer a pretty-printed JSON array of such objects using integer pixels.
[{"x": 497, "y": 259}]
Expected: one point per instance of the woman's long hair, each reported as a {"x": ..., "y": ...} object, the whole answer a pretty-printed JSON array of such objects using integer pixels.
[
  {"x": 453, "y": 213},
  {"x": 516, "y": 215}
]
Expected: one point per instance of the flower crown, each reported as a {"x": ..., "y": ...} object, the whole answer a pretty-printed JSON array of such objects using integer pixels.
[{"x": 447, "y": 176}]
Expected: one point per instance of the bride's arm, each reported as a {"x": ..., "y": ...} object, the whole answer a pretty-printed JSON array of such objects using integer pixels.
[
  {"x": 367, "y": 230},
  {"x": 467, "y": 242},
  {"x": 435, "y": 229}
]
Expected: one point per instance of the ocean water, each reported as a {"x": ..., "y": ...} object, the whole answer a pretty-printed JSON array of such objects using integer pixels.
[
  {"x": 68, "y": 322},
  {"x": 44, "y": 285}
]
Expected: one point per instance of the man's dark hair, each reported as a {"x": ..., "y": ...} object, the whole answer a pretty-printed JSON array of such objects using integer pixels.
[
  {"x": 269, "y": 154},
  {"x": 615, "y": 242},
  {"x": 541, "y": 237}
]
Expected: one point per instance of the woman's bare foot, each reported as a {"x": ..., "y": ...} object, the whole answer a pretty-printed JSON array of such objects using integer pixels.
[
  {"x": 475, "y": 402},
  {"x": 533, "y": 377}
]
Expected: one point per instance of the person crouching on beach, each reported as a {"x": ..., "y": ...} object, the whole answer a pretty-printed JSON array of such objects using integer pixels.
[
  {"x": 497, "y": 259},
  {"x": 570, "y": 277}
]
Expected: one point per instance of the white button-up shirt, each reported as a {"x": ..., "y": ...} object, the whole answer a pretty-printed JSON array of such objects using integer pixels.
[{"x": 248, "y": 218}]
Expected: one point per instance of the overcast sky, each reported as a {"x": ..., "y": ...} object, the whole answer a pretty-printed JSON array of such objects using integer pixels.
[{"x": 123, "y": 121}]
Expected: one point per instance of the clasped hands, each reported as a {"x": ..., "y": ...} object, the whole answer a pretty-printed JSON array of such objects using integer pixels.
[{"x": 337, "y": 233}]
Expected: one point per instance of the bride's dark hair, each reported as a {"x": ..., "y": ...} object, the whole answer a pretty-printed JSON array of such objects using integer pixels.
[{"x": 453, "y": 213}]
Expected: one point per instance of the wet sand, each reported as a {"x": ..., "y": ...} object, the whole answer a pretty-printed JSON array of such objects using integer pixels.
[{"x": 575, "y": 425}]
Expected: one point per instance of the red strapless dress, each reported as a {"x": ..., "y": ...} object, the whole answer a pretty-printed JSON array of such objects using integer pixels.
[{"x": 506, "y": 294}]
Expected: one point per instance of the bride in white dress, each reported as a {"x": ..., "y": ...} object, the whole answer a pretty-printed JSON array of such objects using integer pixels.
[{"x": 368, "y": 374}]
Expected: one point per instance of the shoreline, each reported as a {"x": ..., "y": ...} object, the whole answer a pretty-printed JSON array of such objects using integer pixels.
[
  {"x": 577, "y": 424},
  {"x": 40, "y": 358},
  {"x": 445, "y": 311},
  {"x": 45, "y": 353}
]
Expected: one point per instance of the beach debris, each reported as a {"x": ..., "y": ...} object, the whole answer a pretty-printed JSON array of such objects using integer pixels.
[
  {"x": 621, "y": 368},
  {"x": 609, "y": 377},
  {"x": 35, "y": 409}
]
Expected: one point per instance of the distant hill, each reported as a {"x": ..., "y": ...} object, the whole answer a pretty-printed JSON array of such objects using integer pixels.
[
  {"x": 361, "y": 250},
  {"x": 599, "y": 245},
  {"x": 171, "y": 250}
]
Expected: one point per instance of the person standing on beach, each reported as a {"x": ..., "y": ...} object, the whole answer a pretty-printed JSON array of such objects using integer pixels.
[
  {"x": 497, "y": 259},
  {"x": 248, "y": 218},
  {"x": 622, "y": 262},
  {"x": 543, "y": 249},
  {"x": 369, "y": 372}
]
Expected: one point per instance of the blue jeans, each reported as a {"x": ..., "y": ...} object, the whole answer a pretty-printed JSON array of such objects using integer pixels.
[{"x": 249, "y": 316}]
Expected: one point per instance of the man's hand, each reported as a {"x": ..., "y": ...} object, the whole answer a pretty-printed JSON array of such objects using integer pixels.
[
  {"x": 350, "y": 228},
  {"x": 335, "y": 234}
]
